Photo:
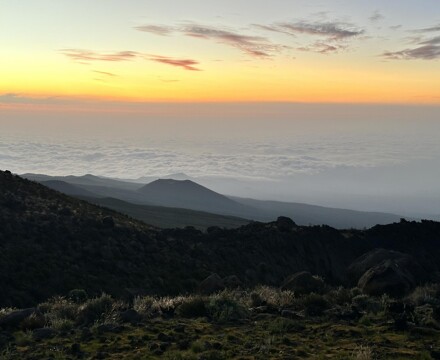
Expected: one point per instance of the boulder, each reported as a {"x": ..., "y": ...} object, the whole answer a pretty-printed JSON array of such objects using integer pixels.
[
  {"x": 15, "y": 318},
  {"x": 387, "y": 278},
  {"x": 303, "y": 283},
  {"x": 211, "y": 284},
  {"x": 376, "y": 257}
]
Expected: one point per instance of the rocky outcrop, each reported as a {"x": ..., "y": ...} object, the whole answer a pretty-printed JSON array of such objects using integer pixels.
[
  {"x": 387, "y": 278},
  {"x": 378, "y": 256}
]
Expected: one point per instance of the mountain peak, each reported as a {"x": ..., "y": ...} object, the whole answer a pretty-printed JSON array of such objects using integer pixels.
[{"x": 187, "y": 194}]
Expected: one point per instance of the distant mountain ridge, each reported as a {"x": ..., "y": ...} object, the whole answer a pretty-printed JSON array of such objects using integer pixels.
[
  {"x": 187, "y": 194},
  {"x": 190, "y": 195}
]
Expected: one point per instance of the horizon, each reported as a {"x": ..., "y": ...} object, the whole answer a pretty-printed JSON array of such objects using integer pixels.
[{"x": 330, "y": 103}]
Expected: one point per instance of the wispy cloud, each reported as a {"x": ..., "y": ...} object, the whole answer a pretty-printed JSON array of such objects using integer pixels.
[
  {"x": 187, "y": 64},
  {"x": 376, "y": 16},
  {"x": 330, "y": 30},
  {"x": 332, "y": 35},
  {"x": 428, "y": 29},
  {"x": 156, "y": 29},
  {"x": 426, "y": 50},
  {"x": 255, "y": 46},
  {"x": 88, "y": 56},
  {"x": 105, "y": 73},
  {"x": 323, "y": 48}
]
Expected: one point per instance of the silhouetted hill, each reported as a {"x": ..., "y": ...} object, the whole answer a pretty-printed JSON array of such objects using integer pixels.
[
  {"x": 66, "y": 188},
  {"x": 305, "y": 214},
  {"x": 167, "y": 217},
  {"x": 51, "y": 243},
  {"x": 86, "y": 180},
  {"x": 190, "y": 195}
]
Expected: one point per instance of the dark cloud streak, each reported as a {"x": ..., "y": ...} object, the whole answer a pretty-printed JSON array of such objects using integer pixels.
[
  {"x": 87, "y": 56},
  {"x": 427, "y": 50}
]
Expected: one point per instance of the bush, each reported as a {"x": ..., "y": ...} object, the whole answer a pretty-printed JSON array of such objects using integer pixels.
[
  {"x": 265, "y": 295},
  {"x": 192, "y": 308},
  {"x": 143, "y": 305},
  {"x": 428, "y": 294},
  {"x": 223, "y": 309},
  {"x": 339, "y": 296},
  {"x": 363, "y": 353},
  {"x": 78, "y": 296},
  {"x": 366, "y": 304},
  {"x": 35, "y": 321},
  {"x": 281, "y": 326},
  {"x": 59, "y": 307},
  {"x": 95, "y": 309},
  {"x": 314, "y": 304},
  {"x": 62, "y": 325}
]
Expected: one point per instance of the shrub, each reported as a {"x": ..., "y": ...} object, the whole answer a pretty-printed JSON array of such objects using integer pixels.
[
  {"x": 428, "y": 294},
  {"x": 192, "y": 308},
  {"x": 363, "y": 353},
  {"x": 78, "y": 296},
  {"x": 365, "y": 303},
  {"x": 281, "y": 326},
  {"x": 95, "y": 309},
  {"x": 35, "y": 321},
  {"x": 314, "y": 304},
  {"x": 339, "y": 296},
  {"x": 143, "y": 305},
  {"x": 62, "y": 325},
  {"x": 23, "y": 338},
  {"x": 223, "y": 309},
  {"x": 197, "y": 346},
  {"x": 59, "y": 307},
  {"x": 263, "y": 295}
]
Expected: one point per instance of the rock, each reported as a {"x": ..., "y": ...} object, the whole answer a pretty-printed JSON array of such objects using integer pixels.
[
  {"x": 303, "y": 283},
  {"x": 211, "y": 284},
  {"x": 376, "y": 257},
  {"x": 43, "y": 333},
  {"x": 285, "y": 224},
  {"x": 15, "y": 318},
  {"x": 232, "y": 282},
  {"x": 130, "y": 316},
  {"x": 387, "y": 278}
]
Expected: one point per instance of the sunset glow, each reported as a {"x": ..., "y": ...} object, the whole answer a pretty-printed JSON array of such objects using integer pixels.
[{"x": 364, "y": 53}]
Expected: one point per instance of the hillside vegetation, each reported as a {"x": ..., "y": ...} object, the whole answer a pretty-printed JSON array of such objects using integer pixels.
[{"x": 82, "y": 281}]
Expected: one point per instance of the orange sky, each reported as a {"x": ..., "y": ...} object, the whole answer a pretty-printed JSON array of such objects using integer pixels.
[{"x": 351, "y": 54}]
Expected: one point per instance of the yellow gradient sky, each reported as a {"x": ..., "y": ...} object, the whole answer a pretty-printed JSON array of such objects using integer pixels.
[{"x": 194, "y": 51}]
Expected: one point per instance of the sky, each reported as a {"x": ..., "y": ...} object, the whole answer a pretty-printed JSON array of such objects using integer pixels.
[
  {"x": 333, "y": 102},
  {"x": 232, "y": 50}
]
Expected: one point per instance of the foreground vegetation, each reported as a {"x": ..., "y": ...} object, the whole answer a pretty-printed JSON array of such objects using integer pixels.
[{"x": 261, "y": 323}]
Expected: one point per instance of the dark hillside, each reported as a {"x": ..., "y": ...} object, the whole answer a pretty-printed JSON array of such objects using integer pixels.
[{"x": 51, "y": 243}]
